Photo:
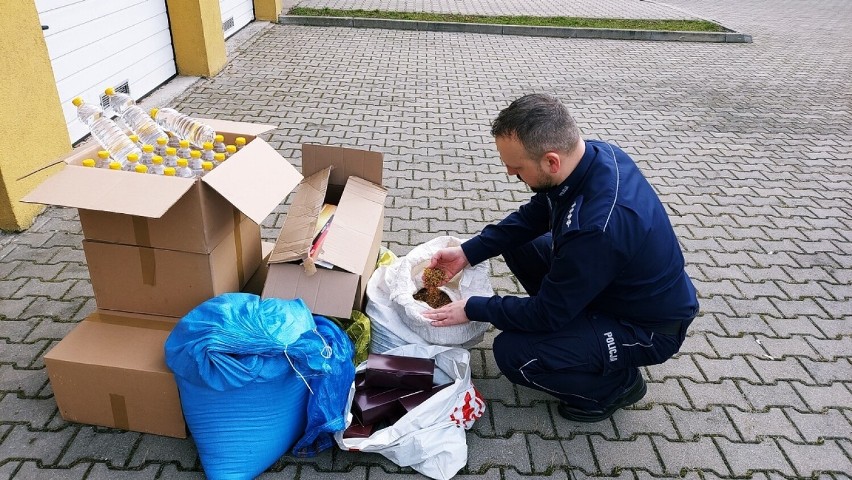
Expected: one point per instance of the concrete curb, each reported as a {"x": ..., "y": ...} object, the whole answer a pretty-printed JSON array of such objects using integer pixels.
[{"x": 532, "y": 31}]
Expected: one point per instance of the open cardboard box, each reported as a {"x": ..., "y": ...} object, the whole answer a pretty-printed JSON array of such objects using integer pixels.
[
  {"x": 350, "y": 179},
  {"x": 110, "y": 370},
  {"x": 173, "y": 213}
]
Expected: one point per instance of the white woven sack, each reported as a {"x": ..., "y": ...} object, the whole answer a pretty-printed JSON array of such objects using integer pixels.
[
  {"x": 405, "y": 278},
  {"x": 431, "y": 437}
]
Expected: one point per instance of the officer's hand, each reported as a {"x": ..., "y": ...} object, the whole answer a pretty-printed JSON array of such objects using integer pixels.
[
  {"x": 451, "y": 260},
  {"x": 448, "y": 315}
]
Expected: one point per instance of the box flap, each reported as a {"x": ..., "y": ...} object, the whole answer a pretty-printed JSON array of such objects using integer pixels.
[
  {"x": 110, "y": 191},
  {"x": 347, "y": 162},
  {"x": 353, "y": 230},
  {"x": 255, "y": 180},
  {"x": 328, "y": 292},
  {"x": 237, "y": 128},
  {"x": 294, "y": 240}
]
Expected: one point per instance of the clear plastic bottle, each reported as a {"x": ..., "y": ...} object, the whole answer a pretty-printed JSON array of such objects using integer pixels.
[
  {"x": 141, "y": 168},
  {"x": 183, "y": 169},
  {"x": 162, "y": 144},
  {"x": 206, "y": 166},
  {"x": 115, "y": 165},
  {"x": 103, "y": 159},
  {"x": 218, "y": 158},
  {"x": 132, "y": 161},
  {"x": 106, "y": 132},
  {"x": 240, "y": 142},
  {"x": 195, "y": 162},
  {"x": 134, "y": 117},
  {"x": 89, "y": 162},
  {"x": 170, "y": 160},
  {"x": 183, "y": 126},
  {"x": 169, "y": 171},
  {"x": 147, "y": 154},
  {"x": 207, "y": 153},
  {"x": 183, "y": 150},
  {"x": 135, "y": 139},
  {"x": 156, "y": 165},
  {"x": 219, "y": 144},
  {"x": 230, "y": 150}
]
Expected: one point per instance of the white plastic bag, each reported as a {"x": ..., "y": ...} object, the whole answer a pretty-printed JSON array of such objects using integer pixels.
[
  {"x": 431, "y": 437},
  {"x": 404, "y": 278}
]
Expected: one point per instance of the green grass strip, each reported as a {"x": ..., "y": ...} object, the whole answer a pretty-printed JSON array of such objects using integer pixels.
[{"x": 577, "y": 22}]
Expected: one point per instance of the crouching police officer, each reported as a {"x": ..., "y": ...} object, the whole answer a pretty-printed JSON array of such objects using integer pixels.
[{"x": 597, "y": 255}]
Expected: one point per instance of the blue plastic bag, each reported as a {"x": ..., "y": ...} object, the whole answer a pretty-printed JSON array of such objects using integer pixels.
[{"x": 243, "y": 367}]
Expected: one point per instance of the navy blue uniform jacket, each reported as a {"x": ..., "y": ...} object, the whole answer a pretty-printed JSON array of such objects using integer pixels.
[{"x": 614, "y": 251}]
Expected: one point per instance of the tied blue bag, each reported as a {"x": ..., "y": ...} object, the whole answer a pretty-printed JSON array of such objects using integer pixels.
[{"x": 243, "y": 367}]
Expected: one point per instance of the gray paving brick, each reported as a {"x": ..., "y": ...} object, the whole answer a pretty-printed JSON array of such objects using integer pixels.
[
  {"x": 743, "y": 458},
  {"x": 26, "y": 355},
  {"x": 612, "y": 455},
  {"x": 650, "y": 421},
  {"x": 791, "y": 346},
  {"x": 810, "y": 460},
  {"x": 678, "y": 457},
  {"x": 734, "y": 367},
  {"x": 740, "y": 325},
  {"x": 25, "y": 444},
  {"x": 771, "y": 371},
  {"x": 17, "y": 330},
  {"x": 27, "y": 382},
  {"x": 60, "y": 309},
  {"x": 777, "y": 395},
  {"x": 703, "y": 395},
  {"x": 681, "y": 366},
  {"x": 786, "y": 327},
  {"x": 753, "y": 426},
  {"x": 827, "y": 372},
  {"x": 101, "y": 471},
  {"x": 100, "y": 444},
  {"x": 830, "y": 424},
  {"x": 669, "y": 392},
  {"x": 153, "y": 448},
  {"x": 726, "y": 347},
  {"x": 556, "y": 475},
  {"x": 819, "y": 397},
  {"x": 32, "y": 471},
  {"x": 693, "y": 424},
  {"x": 32, "y": 269},
  {"x": 546, "y": 455},
  {"x": 484, "y": 453},
  {"x": 508, "y": 420},
  {"x": 307, "y": 472},
  {"x": 12, "y": 308},
  {"x": 7, "y": 470},
  {"x": 831, "y": 348},
  {"x": 34, "y": 412}
]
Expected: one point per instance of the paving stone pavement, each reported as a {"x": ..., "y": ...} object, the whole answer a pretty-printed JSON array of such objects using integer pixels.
[{"x": 749, "y": 146}]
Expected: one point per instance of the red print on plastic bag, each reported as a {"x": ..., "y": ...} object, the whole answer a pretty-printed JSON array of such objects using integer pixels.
[{"x": 472, "y": 409}]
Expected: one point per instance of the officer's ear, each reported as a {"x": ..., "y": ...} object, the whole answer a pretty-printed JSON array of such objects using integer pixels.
[{"x": 552, "y": 162}]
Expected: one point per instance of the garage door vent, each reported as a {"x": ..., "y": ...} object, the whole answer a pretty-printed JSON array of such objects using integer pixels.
[
  {"x": 228, "y": 24},
  {"x": 123, "y": 87}
]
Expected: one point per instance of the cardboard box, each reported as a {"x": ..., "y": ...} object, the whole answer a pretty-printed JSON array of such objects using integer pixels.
[
  {"x": 191, "y": 215},
  {"x": 111, "y": 371},
  {"x": 350, "y": 179},
  {"x": 170, "y": 282},
  {"x": 255, "y": 283}
]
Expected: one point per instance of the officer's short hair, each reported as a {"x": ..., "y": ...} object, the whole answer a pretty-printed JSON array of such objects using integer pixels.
[{"x": 540, "y": 122}]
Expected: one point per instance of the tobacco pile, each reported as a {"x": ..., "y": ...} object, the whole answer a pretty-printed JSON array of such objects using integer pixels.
[{"x": 430, "y": 293}]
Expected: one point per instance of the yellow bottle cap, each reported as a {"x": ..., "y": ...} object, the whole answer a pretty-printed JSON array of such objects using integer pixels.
[
  {"x": 171, "y": 151},
  {"x": 134, "y": 137},
  {"x": 208, "y": 145},
  {"x": 195, "y": 154},
  {"x": 110, "y": 91},
  {"x": 240, "y": 141},
  {"x": 132, "y": 157},
  {"x": 103, "y": 154},
  {"x": 219, "y": 157},
  {"x": 114, "y": 166},
  {"x": 77, "y": 101},
  {"x": 154, "y": 112},
  {"x": 89, "y": 162},
  {"x": 162, "y": 141},
  {"x": 141, "y": 168},
  {"x": 182, "y": 162},
  {"x": 231, "y": 149},
  {"x": 157, "y": 160},
  {"x": 220, "y": 138},
  {"x": 184, "y": 144},
  {"x": 147, "y": 148},
  {"x": 169, "y": 171},
  {"x": 207, "y": 165}
]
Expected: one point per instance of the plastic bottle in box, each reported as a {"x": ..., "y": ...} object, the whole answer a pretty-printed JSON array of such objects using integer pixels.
[
  {"x": 134, "y": 117},
  {"x": 106, "y": 132},
  {"x": 183, "y": 126}
]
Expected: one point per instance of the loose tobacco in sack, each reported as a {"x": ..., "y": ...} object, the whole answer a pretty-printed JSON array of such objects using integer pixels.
[{"x": 430, "y": 293}]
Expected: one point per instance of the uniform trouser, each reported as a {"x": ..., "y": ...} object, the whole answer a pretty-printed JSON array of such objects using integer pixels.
[{"x": 590, "y": 364}]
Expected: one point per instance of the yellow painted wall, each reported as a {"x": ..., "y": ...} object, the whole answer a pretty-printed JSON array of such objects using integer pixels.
[
  {"x": 197, "y": 36},
  {"x": 267, "y": 10},
  {"x": 32, "y": 127}
]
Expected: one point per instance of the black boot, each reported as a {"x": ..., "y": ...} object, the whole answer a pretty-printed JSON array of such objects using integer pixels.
[{"x": 630, "y": 396}]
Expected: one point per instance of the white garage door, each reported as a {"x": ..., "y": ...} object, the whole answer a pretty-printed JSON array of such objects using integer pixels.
[
  {"x": 236, "y": 14},
  {"x": 94, "y": 44}
]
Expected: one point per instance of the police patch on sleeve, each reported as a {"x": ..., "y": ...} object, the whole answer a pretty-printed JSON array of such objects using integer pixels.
[{"x": 572, "y": 218}]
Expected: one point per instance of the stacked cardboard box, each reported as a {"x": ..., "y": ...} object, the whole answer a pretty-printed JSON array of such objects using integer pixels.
[{"x": 156, "y": 247}]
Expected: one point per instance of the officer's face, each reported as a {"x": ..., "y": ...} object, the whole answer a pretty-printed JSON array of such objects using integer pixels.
[{"x": 518, "y": 163}]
